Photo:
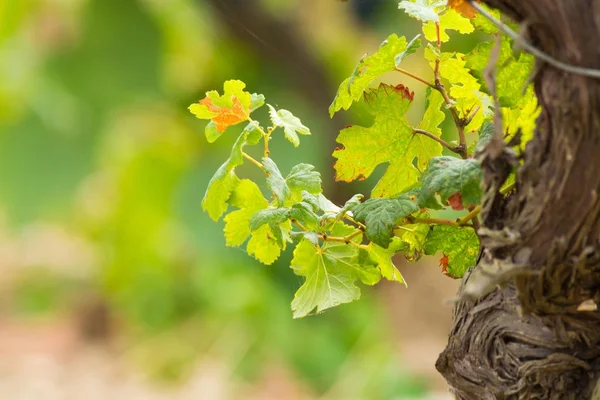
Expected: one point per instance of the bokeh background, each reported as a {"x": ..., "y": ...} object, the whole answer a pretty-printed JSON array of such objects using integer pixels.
[{"x": 113, "y": 282}]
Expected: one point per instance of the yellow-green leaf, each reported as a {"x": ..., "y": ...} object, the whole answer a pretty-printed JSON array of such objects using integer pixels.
[
  {"x": 389, "y": 140},
  {"x": 367, "y": 69}
]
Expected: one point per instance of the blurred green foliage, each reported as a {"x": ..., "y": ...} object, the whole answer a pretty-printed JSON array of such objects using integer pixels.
[{"x": 95, "y": 137}]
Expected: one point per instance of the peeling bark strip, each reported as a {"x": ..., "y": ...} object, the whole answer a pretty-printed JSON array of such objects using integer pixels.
[{"x": 538, "y": 337}]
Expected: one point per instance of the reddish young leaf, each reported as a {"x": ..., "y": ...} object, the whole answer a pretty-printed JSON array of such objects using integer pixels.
[
  {"x": 455, "y": 201},
  {"x": 225, "y": 116}
]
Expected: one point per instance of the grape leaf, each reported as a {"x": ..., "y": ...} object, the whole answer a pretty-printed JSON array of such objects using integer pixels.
[
  {"x": 448, "y": 176},
  {"x": 411, "y": 48},
  {"x": 464, "y": 87},
  {"x": 249, "y": 199},
  {"x": 269, "y": 216},
  {"x": 265, "y": 244},
  {"x": 382, "y": 259},
  {"x": 276, "y": 181},
  {"x": 291, "y": 125},
  {"x": 225, "y": 181},
  {"x": 463, "y": 7},
  {"x": 460, "y": 244},
  {"x": 451, "y": 20},
  {"x": 367, "y": 69},
  {"x": 483, "y": 24},
  {"x": 225, "y": 110},
  {"x": 513, "y": 71},
  {"x": 301, "y": 178},
  {"x": 433, "y": 116},
  {"x": 330, "y": 272},
  {"x": 415, "y": 236},
  {"x": 422, "y": 10},
  {"x": 380, "y": 216},
  {"x": 389, "y": 139}
]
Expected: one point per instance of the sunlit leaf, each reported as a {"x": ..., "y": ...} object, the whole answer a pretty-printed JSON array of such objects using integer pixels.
[
  {"x": 451, "y": 20},
  {"x": 422, "y": 9},
  {"x": 292, "y": 125},
  {"x": 389, "y": 140},
  {"x": 367, "y": 69},
  {"x": 225, "y": 181},
  {"x": 231, "y": 108},
  {"x": 330, "y": 272}
]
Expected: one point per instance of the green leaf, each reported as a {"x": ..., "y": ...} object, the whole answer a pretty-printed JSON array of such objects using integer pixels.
[
  {"x": 485, "y": 25},
  {"x": 422, "y": 10},
  {"x": 292, "y": 125},
  {"x": 368, "y": 69},
  {"x": 449, "y": 176},
  {"x": 275, "y": 181},
  {"x": 353, "y": 202},
  {"x": 258, "y": 100},
  {"x": 382, "y": 258},
  {"x": 513, "y": 71},
  {"x": 303, "y": 177},
  {"x": 433, "y": 116},
  {"x": 269, "y": 216},
  {"x": 219, "y": 189},
  {"x": 249, "y": 199},
  {"x": 486, "y": 133},
  {"x": 451, "y": 20},
  {"x": 414, "y": 236},
  {"x": 460, "y": 244},
  {"x": 330, "y": 272},
  {"x": 411, "y": 48},
  {"x": 380, "y": 216},
  {"x": 211, "y": 132},
  {"x": 225, "y": 181},
  {"x": 264, "y": 245},
  {"x": 389, "y": 140},
  {"x": 464, "y": 88}
]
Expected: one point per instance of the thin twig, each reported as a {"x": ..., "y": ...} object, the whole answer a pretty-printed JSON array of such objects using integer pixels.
[
  {"x": 405, "y": 72},
  {"x": 252, "y": 160},
  {"x": 589, "y": 72},
  {"x": 437, "y": 139}
]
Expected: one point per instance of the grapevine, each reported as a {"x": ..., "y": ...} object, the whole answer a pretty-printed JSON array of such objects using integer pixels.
[{"x": 336, "y": 247}]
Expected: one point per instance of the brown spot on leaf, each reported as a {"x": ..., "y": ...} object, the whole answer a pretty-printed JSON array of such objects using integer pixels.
[{"x": 455, "y": 201}]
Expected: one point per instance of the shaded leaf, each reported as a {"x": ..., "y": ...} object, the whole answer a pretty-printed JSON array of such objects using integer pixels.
[
  {"x": 380, "y": 216},
  {"x": 445, "y": 176}
]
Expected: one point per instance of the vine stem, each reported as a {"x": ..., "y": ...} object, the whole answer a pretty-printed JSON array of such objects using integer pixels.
[
  {"x": 405, "y": 72},
  {"x": 266, "y": 136},
  {"x": 437, "y": 139},
  {"x": 252, "y": 160},
  {"x": 439, "y": 86}
]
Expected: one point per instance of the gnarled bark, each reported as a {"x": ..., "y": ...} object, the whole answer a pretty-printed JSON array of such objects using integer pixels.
[{"x": 538, "y": 335}]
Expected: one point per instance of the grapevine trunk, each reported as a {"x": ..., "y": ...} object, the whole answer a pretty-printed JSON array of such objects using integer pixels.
[{"x": 538, "y": 335}]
